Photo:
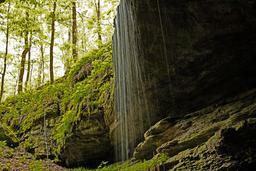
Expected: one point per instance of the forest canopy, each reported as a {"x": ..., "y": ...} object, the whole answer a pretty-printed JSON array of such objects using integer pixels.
[{"x": 40, "y": 40}]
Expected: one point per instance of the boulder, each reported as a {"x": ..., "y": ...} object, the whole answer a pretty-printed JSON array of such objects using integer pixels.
[
  {"x": 88, "y": 143},
  {"x": 83, "y": 73}
]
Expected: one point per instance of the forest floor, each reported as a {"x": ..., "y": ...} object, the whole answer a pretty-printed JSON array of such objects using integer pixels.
[{"x": 19, "y": 160}]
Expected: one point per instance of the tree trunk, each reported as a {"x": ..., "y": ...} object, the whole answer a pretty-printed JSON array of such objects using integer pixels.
[
  {"x": 83, "y": 35},
  {"x": 29, "y": 62},
  {"x": 52, "y": 42},
  {"x": 41, "y": 67},
  {"x": 31, "y": 73},
  {"x": 74, "y": 32},
  {"x": 6, "y": 54},
  {"x": 99, "y": 30},
  {"x": 22, "y": 63}
]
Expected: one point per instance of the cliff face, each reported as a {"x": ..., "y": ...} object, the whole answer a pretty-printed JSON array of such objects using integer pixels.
[
  {"x": 190, "y": 54},
  {"x": 218, "y": 137}
]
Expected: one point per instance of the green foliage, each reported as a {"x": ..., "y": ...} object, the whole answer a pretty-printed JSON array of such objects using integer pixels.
[
  {"x": 2, "y": 144},
  {"x": 5, "y": 151},
  {"x": 65, "y": 101},
  {"x": 130, "y": 166},
  {"x": 103, "y": 164},
  {"x": 10, "y": 135},
  {"x": 21, "y": 112},
  {"x": 87, "y": 96},
  {"x": 36, "y": 165}
]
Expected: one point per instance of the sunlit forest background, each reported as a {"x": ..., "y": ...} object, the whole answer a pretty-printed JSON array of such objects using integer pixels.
[{"x": 40, "y": 40}]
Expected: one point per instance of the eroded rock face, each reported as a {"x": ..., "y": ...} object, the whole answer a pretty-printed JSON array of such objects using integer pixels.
[
  {"x": 88, "y": 144},
  {"x": 193, "y": 53},
  {"x": 219, "y": 137},
  {"x": 187, "y": 55},
  {"x": 83, "y": 73}
]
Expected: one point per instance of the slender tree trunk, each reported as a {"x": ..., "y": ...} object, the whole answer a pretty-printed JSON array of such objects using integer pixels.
[
  {"x": 22, "y": 63},
  {"x": 41, "y": 67},
  {"x": 15, "y": 86},
  {"x": 69, "y": 35},
  {"x": 6, "y": 54},
  {"x": 52, "y": 41},
  {"x": 83, "y": 35},
  {"x": 83, "y": 44},
  {"x": 28, "y": 70},
  {"x": 29, "y": 62},
  {"x": 74, "y": 32},
  {"x": 99, "y": 29},
  {"x": 43, "y": 76},
  {"x": 31, "y": 73}
]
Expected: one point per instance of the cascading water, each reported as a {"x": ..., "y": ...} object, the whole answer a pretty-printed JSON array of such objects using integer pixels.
[
  {"x": 131, "y": 106},
  {"x": 139, "y": 57}
]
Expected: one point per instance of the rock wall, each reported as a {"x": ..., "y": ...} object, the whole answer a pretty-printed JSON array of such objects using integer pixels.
[
  {"x": 89, "y": 143},
  {"x": 192, "y": 53},
  {"x": 218, "y": 137}
]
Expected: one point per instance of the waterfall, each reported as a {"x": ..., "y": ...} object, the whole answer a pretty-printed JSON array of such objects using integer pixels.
[
  {"x": 131, "y": 106},
  {"x": 142, "y": 57}
]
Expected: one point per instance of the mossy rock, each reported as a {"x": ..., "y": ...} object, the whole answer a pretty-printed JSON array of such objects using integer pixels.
[{"x": 4, "y": 136}]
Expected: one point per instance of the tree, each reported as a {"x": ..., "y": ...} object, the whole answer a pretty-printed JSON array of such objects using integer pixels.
[
  {"x": 69, "y": 29},
  {"x": 74, "y": 31},
  {"x": 23, "y": 61},
  {"x": 26, "y": 49},
  {"x": 98, "y": 21},
  {"x": 6, "y": 52},
  {"x": 23, "y": 24},
  {"x": 40, "y": 78},
  {"x": 52, "y": 41},
  {"x": 29, "y": 62}
]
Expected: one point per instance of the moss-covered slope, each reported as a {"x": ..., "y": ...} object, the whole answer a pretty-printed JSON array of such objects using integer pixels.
[{"x": 44, "y": 121}]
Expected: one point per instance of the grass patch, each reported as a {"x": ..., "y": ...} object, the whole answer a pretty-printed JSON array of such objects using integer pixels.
[{"x": 130, "y": 166}]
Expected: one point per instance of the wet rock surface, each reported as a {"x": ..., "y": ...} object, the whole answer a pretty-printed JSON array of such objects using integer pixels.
[
  {"x": 192, "y": 56},
  {"x": 219, "y": 137},
  {"x": 194, "y": 50},
  {"x": 192, "y": 53}
]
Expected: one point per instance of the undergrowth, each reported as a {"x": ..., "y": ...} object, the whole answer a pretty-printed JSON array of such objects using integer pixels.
[
  {"x": 66, "y": 101},
  {"x": 129, "y": 165}
]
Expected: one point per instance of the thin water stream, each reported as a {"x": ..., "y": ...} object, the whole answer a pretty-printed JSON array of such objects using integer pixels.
[{"x": 134, "y": 105}]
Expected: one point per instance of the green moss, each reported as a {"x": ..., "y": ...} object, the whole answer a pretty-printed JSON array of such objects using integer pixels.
[
  {"x": 36, "y": 165},
  {"x": 5, "y": 151},
  {"x": 65, "y": 102},
  {"x": 2, "y": 144},
  {"x": 86, "y": 97},
  {"x": 131, "y": 166}
]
